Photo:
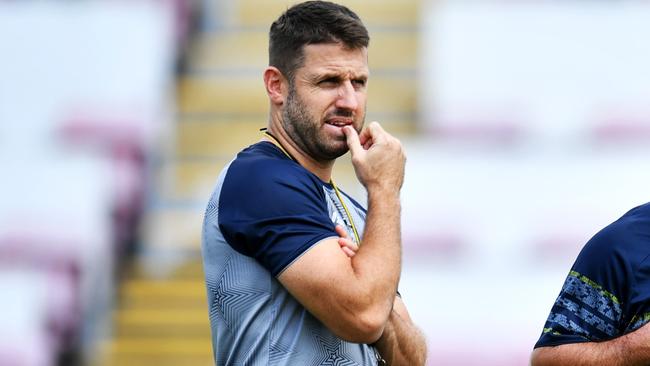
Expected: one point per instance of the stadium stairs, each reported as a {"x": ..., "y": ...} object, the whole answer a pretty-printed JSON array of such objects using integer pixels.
[{"x": 160, "y": 316}]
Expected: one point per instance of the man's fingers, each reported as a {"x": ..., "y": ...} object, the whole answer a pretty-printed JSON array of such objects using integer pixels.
[
  {"x": 364, "y": 136},
  {"x": 340, "y": 231},
  {"x": 347, "y": 243},
  {"x": 376, "y": 132},
  {"x": 348, "y": 252},
  {"x": 372, "y": 134},
  {"x": 352, "y": 139},
  {"x": 348, "y": 246}
]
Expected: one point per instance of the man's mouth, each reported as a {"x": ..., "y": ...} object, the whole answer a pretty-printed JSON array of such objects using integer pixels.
[{"x": 339, "y": 122}]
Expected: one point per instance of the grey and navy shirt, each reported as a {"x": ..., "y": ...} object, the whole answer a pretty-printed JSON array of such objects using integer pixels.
[
  {"x": 265, "y": 212},
  {"x": 607, "y": 292}
]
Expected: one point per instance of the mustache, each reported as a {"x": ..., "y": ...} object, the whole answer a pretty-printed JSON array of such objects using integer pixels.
[{"x": 340, "y": 113}]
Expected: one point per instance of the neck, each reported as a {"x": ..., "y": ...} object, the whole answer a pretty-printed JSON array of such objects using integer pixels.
[{"x": 322, "y": 169}]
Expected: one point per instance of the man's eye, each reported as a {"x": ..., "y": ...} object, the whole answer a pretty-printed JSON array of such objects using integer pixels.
[
  {"x": 359, "y": 82},
  {"x": 329, "y": 82}
]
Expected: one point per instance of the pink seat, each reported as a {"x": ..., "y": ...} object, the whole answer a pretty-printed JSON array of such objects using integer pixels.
[
  {"x": 60, "y": 265},
  {"x": 622, "y": 126},
  {"x": 489, "y": 125},
  {"x": 123, "y": 140},
  {"x": 34, "y": 350},
  {"x": 455, "y": 355},
  {"x": 24, "y": 339},
  {"x": 441, "y": 244}
]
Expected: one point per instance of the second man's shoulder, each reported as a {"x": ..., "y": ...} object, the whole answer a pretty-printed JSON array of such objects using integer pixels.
[{"x": 627, "y": 238}]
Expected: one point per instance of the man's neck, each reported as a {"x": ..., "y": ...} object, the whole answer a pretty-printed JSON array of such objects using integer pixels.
[{"x": 322, "y": 169}]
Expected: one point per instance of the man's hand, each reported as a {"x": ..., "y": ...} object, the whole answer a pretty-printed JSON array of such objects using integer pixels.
[
  {"x": 348, "y": 246},
  {"x": 632, "y": 349},
  {"x": 402, "y": 343},
  {"x": 378, "y": 158}
]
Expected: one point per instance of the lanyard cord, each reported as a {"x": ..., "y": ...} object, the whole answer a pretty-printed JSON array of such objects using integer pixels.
[
  {"x": 347, "y": 212},
  {"x": 275, "y": 142}
]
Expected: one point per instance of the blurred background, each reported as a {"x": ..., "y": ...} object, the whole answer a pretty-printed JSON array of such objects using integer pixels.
[{"x": 526, "y": 123}]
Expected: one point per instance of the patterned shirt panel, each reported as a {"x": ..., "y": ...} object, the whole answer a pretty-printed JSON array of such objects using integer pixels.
[
  {"x": 265, "y": 212},
  {"x": 607, "y": 291}
]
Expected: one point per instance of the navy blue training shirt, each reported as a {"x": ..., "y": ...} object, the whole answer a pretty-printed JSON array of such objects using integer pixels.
[
  {"x": 607, "y": 291},
  {"x": 265, "y": 212}
]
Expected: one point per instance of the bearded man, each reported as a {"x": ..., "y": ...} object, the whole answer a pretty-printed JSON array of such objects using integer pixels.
[{"x": 298, "y": 272}]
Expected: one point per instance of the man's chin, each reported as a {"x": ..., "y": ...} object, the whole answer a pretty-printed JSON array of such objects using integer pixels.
[{"x": 336, "y": 153}]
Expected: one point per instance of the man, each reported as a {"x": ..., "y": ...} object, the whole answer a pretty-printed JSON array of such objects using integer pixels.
[
  {"x": 601, "y": 315},
  {"x": 298, "y": 273}
]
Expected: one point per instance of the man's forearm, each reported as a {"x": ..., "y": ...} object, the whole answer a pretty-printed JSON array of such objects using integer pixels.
[
  {"x": 401, "y": 344},
  {"x": 378, "y": 261},
  {"x": 378, "y": 160},
  {"x": 632, "y": 349}
]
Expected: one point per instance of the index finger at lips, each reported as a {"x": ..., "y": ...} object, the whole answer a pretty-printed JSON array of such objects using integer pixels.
[{"x": 352, "y": 139}]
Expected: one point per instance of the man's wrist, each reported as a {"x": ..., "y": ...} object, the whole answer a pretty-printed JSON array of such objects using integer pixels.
[
  {"x": 381, "y": 193},
  {"x": 384, "y": 345}
]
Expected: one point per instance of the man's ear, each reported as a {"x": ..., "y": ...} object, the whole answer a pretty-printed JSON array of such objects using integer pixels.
[{"x": 276, "y": 85}]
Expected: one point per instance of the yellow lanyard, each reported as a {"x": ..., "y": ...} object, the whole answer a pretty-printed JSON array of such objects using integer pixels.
[{"x": 275, "y": 142}]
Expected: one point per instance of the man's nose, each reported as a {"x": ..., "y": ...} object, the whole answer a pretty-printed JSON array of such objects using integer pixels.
[{"x": 347, "y": 98}]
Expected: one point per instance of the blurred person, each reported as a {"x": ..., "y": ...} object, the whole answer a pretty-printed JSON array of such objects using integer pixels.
[
  {"x": 601, "y": 314},
  {"x": 298, "y": 272}
]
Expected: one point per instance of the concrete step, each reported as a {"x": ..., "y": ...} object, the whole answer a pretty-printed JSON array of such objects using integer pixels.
[
  {"x": 248, "y": 50},
  {"x": 373, "y": 13},
  {"x": 190, "y": 268},
  {"x": 177, "y": 303},
  {"x": 146, "y": 317},
  {"x": 217, "y": 136},
  {"x": 164, "y": 331},
  {"x": 163, "y": 289},
  {"x": 236, "y": 94},
  {"x": 175, "y": 228},
  {"x": 157, "y": 351},
  {"x": 157, "y": 359},
  {"x": 193, "y": 177}
]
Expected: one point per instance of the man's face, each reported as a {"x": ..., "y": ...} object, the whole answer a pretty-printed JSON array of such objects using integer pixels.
[{"x": 328, "y": 92}]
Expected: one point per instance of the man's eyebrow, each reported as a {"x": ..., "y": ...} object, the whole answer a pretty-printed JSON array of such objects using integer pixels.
[
  {"x": 338, "y": 76},
  {"x": 326, "y": 75}
]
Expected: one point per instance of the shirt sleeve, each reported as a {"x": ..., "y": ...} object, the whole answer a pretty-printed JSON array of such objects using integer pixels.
[
  {"x": 273, "y": 212},
  {"x": 640, "y": 297},
  {"x": 591, "y": 304}
]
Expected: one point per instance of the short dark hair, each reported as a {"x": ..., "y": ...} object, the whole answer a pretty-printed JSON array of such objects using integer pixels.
[{"x": 312, "y": 22}]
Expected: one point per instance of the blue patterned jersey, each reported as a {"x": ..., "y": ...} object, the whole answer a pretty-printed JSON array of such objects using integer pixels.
[
  {"x": 607, "y": 292},
  {"x": 265, "y": 212}
]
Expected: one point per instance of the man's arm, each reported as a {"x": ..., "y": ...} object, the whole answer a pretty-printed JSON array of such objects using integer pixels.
[
  {"x": 353, "y": 297},
  {"x": 402, "y": 343},
  {"x": 632, "y": 349}
]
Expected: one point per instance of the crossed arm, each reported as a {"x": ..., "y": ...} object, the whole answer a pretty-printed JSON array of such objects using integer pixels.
[
  {"x": 355, "y": 295},
  {"x": 632, "y": 349},
  {"x": 402, "y": 343}
]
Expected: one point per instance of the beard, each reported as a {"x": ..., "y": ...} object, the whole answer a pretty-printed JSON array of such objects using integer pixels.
[{"x": 305, "y": 130}]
